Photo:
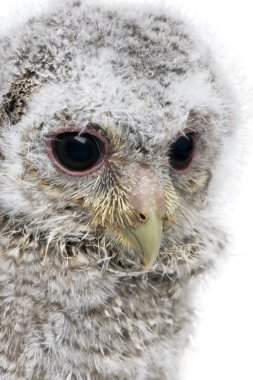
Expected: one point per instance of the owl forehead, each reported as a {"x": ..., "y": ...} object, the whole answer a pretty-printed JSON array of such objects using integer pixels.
[
  {"x": 123, "y": 71},
  {"x": 139, "y": 106}
]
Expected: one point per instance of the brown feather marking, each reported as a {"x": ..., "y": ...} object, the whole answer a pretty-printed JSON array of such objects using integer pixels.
[{"x": 15, "y": 101}]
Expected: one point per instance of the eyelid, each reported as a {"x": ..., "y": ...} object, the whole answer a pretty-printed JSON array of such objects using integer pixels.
[
  {"x": 80, "y": 130},
  {"x": 184, "y": 132}
]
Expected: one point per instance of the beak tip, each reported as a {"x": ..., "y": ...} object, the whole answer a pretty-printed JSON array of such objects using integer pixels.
[
  {"x": 147, "y": 267},
  {"x": 148, "y": 264}
]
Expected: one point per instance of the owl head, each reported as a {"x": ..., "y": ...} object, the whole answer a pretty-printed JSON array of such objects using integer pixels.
[{"x": 111, "y": 124}]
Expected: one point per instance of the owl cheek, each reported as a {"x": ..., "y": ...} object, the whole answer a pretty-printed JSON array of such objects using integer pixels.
[{"x": 199, "y": 183}]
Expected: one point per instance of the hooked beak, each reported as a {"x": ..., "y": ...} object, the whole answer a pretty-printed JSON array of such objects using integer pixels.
[
  {"x": 148, "y": 200},
  {"x": 146, "y": 238}
]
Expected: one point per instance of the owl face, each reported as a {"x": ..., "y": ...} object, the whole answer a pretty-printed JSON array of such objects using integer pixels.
[{"x": 109, "y": 142}]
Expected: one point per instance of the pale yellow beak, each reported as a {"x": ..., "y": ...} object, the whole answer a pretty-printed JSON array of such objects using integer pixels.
[
  {"x": 147, "y": 199},
  {"x": 146, "y": 238}
]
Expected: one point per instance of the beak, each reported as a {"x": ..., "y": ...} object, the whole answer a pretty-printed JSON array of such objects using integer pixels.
[
  {"x": 147, "y": 199},
  {"x": 146, "y": 238}
]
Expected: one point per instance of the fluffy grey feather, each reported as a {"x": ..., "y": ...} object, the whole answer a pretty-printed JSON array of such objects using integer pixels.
[{"x": 76, "y": 302}]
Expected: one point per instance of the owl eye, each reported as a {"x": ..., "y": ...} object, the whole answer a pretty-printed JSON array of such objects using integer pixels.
[
  {"x": 182, "y": 151},
  {"x": 75, "y": 153}
]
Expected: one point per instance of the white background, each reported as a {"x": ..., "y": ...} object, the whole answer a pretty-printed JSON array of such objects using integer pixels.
[{"x": 222, "y": 347}]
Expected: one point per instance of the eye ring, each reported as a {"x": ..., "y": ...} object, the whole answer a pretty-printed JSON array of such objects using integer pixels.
[
  {"x": 98, "y": 140},
  {"x": 183, "y": 155}
]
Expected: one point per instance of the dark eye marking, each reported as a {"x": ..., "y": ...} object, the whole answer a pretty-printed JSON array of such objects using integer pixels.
[
  {"x": 77, "y": 153},
  {"x": 182, "y": 151}
]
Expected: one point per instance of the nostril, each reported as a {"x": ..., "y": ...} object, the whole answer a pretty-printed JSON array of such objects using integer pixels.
[{"x": 142, "y": 217}]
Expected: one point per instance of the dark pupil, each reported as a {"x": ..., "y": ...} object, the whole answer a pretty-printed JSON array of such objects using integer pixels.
[
  {"x": 75, "y": 151},
  {"x": 181, "y": 151}
]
